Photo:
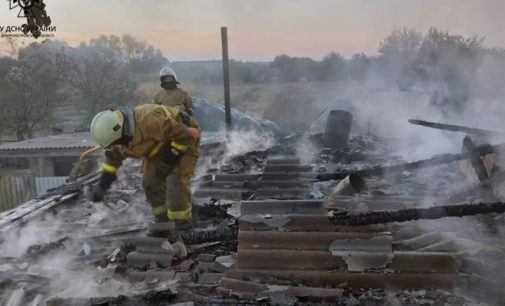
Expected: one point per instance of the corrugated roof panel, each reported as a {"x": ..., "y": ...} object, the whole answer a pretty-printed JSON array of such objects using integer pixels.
[
  {"x": 62, "y": 141},
  {"x": 80, "y": 140}
]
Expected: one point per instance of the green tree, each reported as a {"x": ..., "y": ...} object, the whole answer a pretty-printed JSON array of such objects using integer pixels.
[
  {"x": 448, "y": 62},
  {"x": 141, "y": 57},
  {"x": 35, "y": 87},
  {"x": 332, "y": 67},
  {"x": 135, "y": 54},
  {"x": 292, "y": 69},
  {"x": 100, "y": 80},
  {"x": 358, "y": 66},
  {"x": 401, "y": 45}
]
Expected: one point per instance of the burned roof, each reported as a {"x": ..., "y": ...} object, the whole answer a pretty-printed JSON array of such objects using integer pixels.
[{"x": 262, "y": 236}]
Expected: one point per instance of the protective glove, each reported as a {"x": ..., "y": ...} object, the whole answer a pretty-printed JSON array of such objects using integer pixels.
[
  {"x": 99, "y": 190},
  {"x": 186, "y": 117},
  {"x": 169, "y": 159},
  {"x": 194, "y": 132},
  {"x": 97, "y": 194}
]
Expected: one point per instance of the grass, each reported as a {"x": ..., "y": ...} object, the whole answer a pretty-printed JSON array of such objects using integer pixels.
[{"x": 292, "y": 105}]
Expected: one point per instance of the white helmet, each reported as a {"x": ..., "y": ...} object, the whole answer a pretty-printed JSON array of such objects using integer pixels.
[
  {"x": 168, "y": 71},
  {"x": 107, "y": 127}
]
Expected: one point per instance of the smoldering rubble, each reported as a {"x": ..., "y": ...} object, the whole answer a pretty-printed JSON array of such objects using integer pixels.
[{"x": 266, "y": 209}]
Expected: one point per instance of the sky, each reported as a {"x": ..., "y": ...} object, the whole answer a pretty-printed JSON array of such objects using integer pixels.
[{"x": 261, "y": 29}]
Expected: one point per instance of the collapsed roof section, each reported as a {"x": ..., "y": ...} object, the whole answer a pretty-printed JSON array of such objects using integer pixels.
[
  {"x": 262, "y": 237},
  {"x": 211, "y": 117}
]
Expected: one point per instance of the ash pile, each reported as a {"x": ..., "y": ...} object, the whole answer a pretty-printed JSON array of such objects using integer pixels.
[{"x": 273, "y": 225}]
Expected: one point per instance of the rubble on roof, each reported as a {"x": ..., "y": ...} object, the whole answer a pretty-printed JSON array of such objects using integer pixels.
[
  {"x": 211, "y": 118},
  {"x": 262, "y": 236}
]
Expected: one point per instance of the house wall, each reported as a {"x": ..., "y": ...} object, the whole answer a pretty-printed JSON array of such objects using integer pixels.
[{"x": 42, "y": 166}]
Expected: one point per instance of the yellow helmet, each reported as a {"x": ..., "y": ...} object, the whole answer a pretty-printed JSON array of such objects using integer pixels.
[{"x": 107, "y": 127}]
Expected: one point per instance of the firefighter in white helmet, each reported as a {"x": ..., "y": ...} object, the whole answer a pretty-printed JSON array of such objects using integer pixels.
[
  {"x": 170, "y": 94},
  {"x": 168, "y": 148}
]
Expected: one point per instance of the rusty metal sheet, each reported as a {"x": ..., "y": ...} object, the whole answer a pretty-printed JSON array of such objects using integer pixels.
[
  {"x": 313, "y": 207},
  {"x": 404, "y": 262},
  {"x": 295, "y": 240},
  {"x": 288, "y": 260},
  {"x": 355, "y": 280},
  {"x": 440, "y": 262}
]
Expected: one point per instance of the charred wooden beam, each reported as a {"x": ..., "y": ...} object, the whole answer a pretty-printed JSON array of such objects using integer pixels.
[
  {"x": 455, "y": 128},
  {"x": 411, "y": 214},
  {"x": 475, "y": 159},
  {"x": 219, "y": 234},
  {"x": 434, "y": 161}
]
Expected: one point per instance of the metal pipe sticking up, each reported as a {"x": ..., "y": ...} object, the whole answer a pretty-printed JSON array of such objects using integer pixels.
[
  {"x": 350, "y": 185},
  {"x": 338, "y": 127},
  {"x": 226, "y": 76}
]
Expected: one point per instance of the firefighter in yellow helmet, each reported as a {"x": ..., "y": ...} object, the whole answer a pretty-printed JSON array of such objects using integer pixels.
[
  {"x": 169, "y": 150},
  {"x": 170, "y": 94}
]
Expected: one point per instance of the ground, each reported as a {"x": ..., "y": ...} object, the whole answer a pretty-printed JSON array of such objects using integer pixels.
[{"x": 291, "y": 105}]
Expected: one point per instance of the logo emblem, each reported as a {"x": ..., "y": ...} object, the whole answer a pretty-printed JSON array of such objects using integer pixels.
[{"x": 35, "y": 13}]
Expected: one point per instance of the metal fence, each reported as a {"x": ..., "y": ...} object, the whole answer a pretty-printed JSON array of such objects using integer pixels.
[
  {"x": 48, "y": 182},
  {"x": 16, "y": 190},
  {"x": 20, "y": 189}
]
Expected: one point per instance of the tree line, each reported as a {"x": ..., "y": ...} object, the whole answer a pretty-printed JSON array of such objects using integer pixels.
[{"x": 43, "y": 79}]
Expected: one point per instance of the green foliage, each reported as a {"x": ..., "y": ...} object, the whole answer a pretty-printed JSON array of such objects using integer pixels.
[
  {"x": 104, "y": 72},
  {"x": 292, "y": 69},
  {"x": 99, "y": 78},
  {"x": 34, "y": 87},
  {"x": 401, "y": 44},
  {"x": 332, "y": 67},
  {"x": 48, "y": 76},
  {"x": 358, "y": 66}
]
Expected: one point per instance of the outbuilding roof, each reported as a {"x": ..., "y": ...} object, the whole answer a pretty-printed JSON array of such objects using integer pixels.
[{"x": 61, "y": 141}]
